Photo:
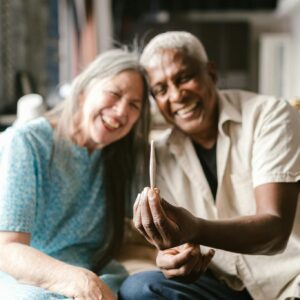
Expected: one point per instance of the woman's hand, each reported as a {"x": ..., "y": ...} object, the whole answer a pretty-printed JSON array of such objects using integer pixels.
[
  {"x": 33, "y": 267},
  {"x": 86, "y": 285},
  {"x": 161, "y": 223},
  {"x": 185, "y": 262}
]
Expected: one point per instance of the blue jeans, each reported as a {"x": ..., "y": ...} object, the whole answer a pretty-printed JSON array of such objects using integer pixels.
[{"x": 153, "y": 285}]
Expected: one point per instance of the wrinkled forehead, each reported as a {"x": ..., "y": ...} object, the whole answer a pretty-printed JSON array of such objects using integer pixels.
[
  {"x": 163, "y": 57},
  {"x": 170, "y": 60}
]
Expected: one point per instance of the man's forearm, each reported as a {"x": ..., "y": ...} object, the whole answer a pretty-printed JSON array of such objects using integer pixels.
[{"x": 259, "y": 234}]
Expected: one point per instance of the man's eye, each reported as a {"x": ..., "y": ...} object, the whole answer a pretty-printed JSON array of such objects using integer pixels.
[
  {"x": 184, "y": 78},
  {"x": 159, "y": 90}
]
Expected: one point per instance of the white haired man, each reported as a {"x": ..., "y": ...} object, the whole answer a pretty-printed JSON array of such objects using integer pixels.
[{"x": 228, "y": 179}]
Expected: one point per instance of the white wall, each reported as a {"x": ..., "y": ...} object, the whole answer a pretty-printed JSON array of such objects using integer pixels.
[
  {"x": 104, "y": 24},
  {"x": 295, "y": 35},
  {"x": 289, "y": 13}
]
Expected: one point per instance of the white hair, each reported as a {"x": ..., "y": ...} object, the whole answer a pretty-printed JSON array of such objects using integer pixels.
[{"x": 181, "y": 40}]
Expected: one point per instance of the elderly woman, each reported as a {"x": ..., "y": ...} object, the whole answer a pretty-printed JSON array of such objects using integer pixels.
[{"x": 65, "y": 181}]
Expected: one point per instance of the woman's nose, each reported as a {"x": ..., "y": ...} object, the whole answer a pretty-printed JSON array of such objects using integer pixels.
[{"x": 121, "y": 108}]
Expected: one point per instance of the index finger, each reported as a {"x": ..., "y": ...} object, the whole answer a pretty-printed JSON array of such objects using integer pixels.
[
  {"x": 160, "y": 218},
  {"x": 147, "y": 219}
]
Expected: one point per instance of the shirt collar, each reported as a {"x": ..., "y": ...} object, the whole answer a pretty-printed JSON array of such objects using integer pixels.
[{"x": 228, "y": 112}]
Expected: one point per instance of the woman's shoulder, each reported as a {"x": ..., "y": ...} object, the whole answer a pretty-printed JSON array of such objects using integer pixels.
[
  {"x": 39, "y": 126},
  {"x": 35, "y": 133}
]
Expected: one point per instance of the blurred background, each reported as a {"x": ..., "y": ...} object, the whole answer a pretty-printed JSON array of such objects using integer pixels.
[{"x": 255, "y": 44}]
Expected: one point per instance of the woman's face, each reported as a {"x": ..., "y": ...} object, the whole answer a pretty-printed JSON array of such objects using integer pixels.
[{"x": 110, "y": 108}]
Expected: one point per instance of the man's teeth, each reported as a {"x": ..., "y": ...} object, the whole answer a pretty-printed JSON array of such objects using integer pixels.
[
  {"x": 186, "y": 109},
  {"x": 110, "y": 122}
]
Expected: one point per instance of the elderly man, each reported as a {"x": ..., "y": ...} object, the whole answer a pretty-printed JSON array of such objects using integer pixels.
[{"x": 228, "y": 177}]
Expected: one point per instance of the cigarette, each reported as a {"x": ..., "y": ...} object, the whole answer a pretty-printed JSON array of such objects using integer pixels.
[{"x": 152, "y": 165}]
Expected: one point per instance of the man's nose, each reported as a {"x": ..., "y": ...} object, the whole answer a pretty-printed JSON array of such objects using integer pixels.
[{"x": 174, "y": 93}]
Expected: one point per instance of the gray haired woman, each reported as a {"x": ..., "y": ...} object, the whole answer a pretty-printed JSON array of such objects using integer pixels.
[{"x": 65, "y": 181}]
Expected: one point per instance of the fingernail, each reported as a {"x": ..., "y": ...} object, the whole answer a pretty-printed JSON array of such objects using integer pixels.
[{"x": 144, "y": 193}]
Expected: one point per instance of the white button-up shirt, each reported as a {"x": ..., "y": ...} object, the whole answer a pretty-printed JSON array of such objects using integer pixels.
[{"x": 258, "y": 143}]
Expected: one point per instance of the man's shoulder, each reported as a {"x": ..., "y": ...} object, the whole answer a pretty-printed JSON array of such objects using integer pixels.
[
  {"x": 243, "y": 97},
  {"x": 248, "y": 103}
]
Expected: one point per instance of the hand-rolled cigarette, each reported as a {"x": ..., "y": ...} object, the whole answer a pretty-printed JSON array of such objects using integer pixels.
[{"x": 152, "y": 165}]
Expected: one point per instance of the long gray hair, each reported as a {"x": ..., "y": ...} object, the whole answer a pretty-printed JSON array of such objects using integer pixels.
[
  {"x": 124, "y": 161},
  {"x": 106, "y": 65}
]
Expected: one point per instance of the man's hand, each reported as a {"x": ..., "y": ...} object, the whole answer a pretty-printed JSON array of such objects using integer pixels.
[
  {"x": 161, "y": 223},
  {"x": 185, "y": 263}
]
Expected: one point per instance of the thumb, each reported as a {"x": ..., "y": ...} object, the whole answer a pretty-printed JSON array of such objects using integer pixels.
[{"x": 168, "y": 206}]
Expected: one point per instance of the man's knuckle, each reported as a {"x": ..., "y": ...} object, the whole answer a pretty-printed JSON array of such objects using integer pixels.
[
  {"x": 136, "y": 223},
  {"x": 149, "y": 226},
  {"x": 184, "y": 271},
  {"x": 160, "y": 222},
  {"x": 139, "y": 227}
]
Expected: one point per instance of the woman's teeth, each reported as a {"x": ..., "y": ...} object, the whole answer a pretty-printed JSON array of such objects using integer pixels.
[
  {"x": 187, "y": 109},
  {"x": 110, "y": 122}
]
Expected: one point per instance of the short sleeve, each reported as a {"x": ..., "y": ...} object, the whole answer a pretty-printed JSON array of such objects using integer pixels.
[
  {"x": 276, "y": 149},
  {"x": 17, "y": 184}
]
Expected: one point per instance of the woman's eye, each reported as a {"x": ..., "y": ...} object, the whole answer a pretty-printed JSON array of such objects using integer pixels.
[
  {"x": 115, "y": 94},
  {"x": 135, "y": 106}
]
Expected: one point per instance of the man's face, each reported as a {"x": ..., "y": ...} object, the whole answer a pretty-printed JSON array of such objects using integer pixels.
[{"x": 184, "y": 91}]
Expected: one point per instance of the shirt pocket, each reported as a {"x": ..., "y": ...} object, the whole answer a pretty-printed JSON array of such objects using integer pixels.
[{"x": 243, "y": 193}]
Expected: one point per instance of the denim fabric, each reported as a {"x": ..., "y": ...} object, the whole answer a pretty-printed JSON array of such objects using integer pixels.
[{"x": 153, "y": 285}]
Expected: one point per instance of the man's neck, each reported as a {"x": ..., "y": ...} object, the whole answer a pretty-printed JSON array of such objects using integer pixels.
[
  {"x": 205, "y": 142},
  {"x": 208, "y": 138}
]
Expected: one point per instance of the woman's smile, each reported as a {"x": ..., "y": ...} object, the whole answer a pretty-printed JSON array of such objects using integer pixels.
[{"x": 110, "y": 122}]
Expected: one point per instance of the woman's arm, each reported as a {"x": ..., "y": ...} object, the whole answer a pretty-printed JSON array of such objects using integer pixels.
[{"x": 33, "y": 267}]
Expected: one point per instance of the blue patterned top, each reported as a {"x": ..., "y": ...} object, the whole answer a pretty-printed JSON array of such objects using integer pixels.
[{"x": 59, "y": 201}]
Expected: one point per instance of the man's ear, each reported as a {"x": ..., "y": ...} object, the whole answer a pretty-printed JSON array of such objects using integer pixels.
[{"x": 211, "y": 70}]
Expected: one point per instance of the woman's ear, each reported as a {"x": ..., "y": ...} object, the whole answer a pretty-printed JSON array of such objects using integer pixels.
[{"x": 211, "y": 70}]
